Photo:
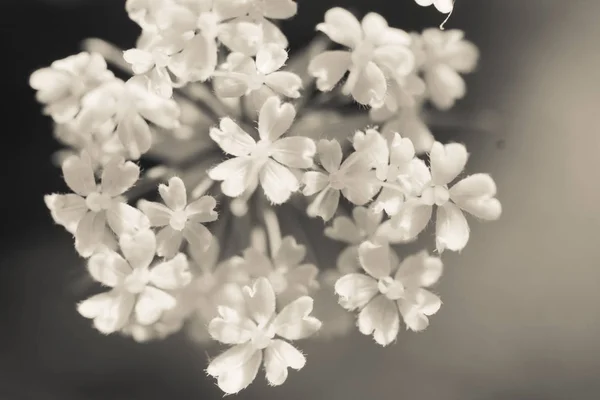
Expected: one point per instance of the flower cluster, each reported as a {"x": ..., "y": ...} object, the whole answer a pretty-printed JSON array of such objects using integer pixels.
[{"x": 207, "y": 251}]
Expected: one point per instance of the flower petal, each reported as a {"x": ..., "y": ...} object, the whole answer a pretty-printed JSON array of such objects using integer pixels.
[
  {"x": 108, "y": 268},
  {"x": 294, "y": 151},
  {"x": 345, "y": 230},
  {"x": 447, "y": 161},
  {"x": 294, "y": 321},
  {"x": 66, "y": 209},
  {"x": 174, "y": 194},
  {"x": 329, "y": 68},
  {"x": 158, "y": 214},
  {"x": 110, "y": 311},
  {"x": 451, "y": 228},
  {"x": 314, "y": 181},
  {"x": 260, "y": 300},
  {"x": 284, "y": 82},
  {"x": 197, "y": 235},
  {"x": 375, "y": 259},
  {"x": 330, "y": 154},
  {"x": 231, "y": 330},
  {"x": 235, "y": 174},
  {"x": 475, "y": 194},
  {"x": 325, "y": 204},
  {"x": 270, "y": 58},
  {"x": 342, "y": 27},
  {"x": 134, "y": 134},
  {"x": 279, "y": 9},
  {"x": 232, "y": 139},
  {"x": 380, "y": 318},
  {"x": 411, "y": 220},
  {"x": 138, "y": 248},
  {"x": 419, "y": 270},
  {"x": 278, "y": 182},
  {"x": 151, "y": 304},
  {"x": 236, "y": 379},
  {"x": 122, "y": 218},
  {"x": 275, "y": 119},
  {"x": 370, "y": 86},
  {"x": 90, "y": 233},
  {"x": 168, "y": 242},
  {"x": 355, "y": 290},
  {"x": 119, "y": 176},
  {"x": 172, "y": 274},
  {"x": 290, "y": 253},
  {"x": 79, "y": 175},
  {"x": 348, "y": 261},
  {"x": 202, "y": 210},
  {"x": 278, "y": 357}
]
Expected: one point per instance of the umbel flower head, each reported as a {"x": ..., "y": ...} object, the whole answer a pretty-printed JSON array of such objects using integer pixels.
[{"x": 250, "y": 142}]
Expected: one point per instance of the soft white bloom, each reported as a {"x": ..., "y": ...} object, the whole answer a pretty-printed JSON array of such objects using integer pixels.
[
  {"x": 93, "y": 206},
  {"x": 178, "y": 219},
  {"x": 288, "y": 276},
  {"x": 443, "y": 6},
  {"x": 403, "y": 92},
  {"x": 380, "y": 298},
  {"x": 409, "y": 122},
  {"x": 61, "y": 86},
  {"x": 446, "y": 56},
  {"x": 254, "y": 336},
  {"x": 272, "y": 160},
  {"x": 128, "y": 106},
  {"x": 376, "y": 52},
  {"x": 260, "y": 79},
  {"x": 474, "y": 194},
  {"x": 354, "y": 178},
  {"x": 138, "y": 290}
]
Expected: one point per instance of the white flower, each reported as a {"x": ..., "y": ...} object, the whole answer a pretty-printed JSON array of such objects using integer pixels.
[
  {"x": 178, "y": 219},
  {"x": 376, "y": 52},
  {"x": 380, "y": 298},
  {"x": 86, "y": 212},
  {"x": 271, "y": 160},
  {"x": 137, "y": 288},
  {"x": 473, "y": 194},
  {"x": 289, "y": 278},
  {"x": 354, "y": 178},
  {"x": 446, "y": 55},
  {"x": 61, "y": 86},
  {"x": 364, "y": 225},
  {"x": 253, "y": 336},
  {"x": 409, "y": 121},
  {"x": 403, "y": 92},
  {"x": 242, "y": 75},
  {"x": 443, "y": 6},
  {"x": 128, "y": 106}
]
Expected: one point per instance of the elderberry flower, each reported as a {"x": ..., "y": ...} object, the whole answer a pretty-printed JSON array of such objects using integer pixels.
[
  {"x": 260, "y": 79},
  {"x": 376, "y": 52},
  {"x": 253, "y": 334},
  {"x": 138, "y": 290},
  {"x": 61, "y": 86},
  {"x": 443, "y": 6},
  {"x": 178, "y": 219},
  {"x": 272, "y": 160},
  {"x": 446, "y": 56},
  {"x": 474, "y": 194},
  {"x": 354, "y": 178},
  {"x": 87, "y": 212},
  {"x": 380, "y": 298}
]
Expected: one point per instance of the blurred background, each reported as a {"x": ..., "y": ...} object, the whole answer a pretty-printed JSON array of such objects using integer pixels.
[{"x": 521, "y": 316}]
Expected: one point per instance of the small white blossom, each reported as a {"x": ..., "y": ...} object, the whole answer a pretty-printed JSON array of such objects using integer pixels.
[
  {"x": 137, "y": 288},
  {"x": 380, "y": 298},
  {"x": 443, "y": 6},
  {"x": 253, "y": 335},
  {"x": 178, "y": 219},
  {"x": 474, "y": 194},
  {"x": 354, "y": 178},
  {"x": 61, "y": 86},
  {"x": 376, "y": 52},
  {"x": 92, "y": 207},
  {"x": 271, "y": 160},
  {"x": 446, "y": 56},
  {"x": 128, "y": 106},
  {"x": 260, "y": 79},
  {"x": 288, "y": 276},
  {"x": 409, "y": 121}
]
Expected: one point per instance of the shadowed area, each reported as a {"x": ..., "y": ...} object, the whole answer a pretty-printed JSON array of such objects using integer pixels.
[{"x": 520, "y": 317}]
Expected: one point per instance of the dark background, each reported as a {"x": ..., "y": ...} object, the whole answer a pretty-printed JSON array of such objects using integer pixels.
[{"x": 520, "y": 318}]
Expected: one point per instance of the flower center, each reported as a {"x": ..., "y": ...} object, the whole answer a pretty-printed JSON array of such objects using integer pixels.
[
  {"x": 96, "y": 201},
  {"x": 437, "y": 195},
  {"x": 336, "y": 180},
  {"x": 138, "y": 279},
  {"x": 263, "y": 335},
  {"x": 255, "y": 81},
  {"x": 262, "y": 151},
  {"x": 390, "y": 288},
  {"x": 178, "y": 220},
  {"x": 363, "y": 53}
]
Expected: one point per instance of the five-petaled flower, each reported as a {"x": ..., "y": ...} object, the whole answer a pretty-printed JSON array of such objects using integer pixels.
[
  {"x": 137, "y": 288},
  {"x": 254, "y": 332},
  {"x": 272, "y": 160},
  {"x": 380, "y": 297}
]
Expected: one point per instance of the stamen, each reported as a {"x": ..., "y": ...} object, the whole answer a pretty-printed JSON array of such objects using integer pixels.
[{"x": 447, "y": 18}]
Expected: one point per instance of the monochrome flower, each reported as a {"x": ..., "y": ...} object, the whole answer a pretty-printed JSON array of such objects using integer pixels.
[
  {"x": 381, "y": 298},
  {"x": 443, "y": 6},
  {"x": 272, "y": 160},
  {"x": 137, "y": 288},
  {"x": 254, "y": 336},
  {"x": 92, "y": 207}
]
